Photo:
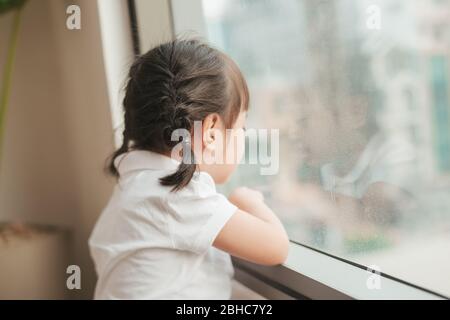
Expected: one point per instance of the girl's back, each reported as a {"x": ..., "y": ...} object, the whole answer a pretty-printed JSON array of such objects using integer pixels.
[{"x": 150, "y": 243}]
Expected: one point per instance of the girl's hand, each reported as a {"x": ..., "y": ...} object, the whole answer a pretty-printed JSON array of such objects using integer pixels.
[{"x": 245, "y": 198}]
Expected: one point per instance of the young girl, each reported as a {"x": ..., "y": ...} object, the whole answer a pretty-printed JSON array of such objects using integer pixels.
[{"x": 166, "y": 233}]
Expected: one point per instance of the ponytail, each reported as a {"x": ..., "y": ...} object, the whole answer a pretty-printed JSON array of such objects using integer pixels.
[
  {"x": 181, "y": 178},
  {"x": 111, "y": 167}
]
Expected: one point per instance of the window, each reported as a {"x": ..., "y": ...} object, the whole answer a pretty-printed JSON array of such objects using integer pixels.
[{"x": 363, "y": 109}]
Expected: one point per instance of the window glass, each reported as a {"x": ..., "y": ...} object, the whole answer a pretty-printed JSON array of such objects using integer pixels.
[{"x": 359, "y": 91}]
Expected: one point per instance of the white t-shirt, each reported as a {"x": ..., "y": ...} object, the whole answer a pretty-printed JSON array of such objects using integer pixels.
[{"x": 150, "y": 243}]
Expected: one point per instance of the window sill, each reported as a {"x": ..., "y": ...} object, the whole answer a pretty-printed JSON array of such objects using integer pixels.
[{"x": 309, "y": 274}]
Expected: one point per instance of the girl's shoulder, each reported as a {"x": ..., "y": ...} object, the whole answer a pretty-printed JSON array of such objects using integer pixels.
[
  {"x": 201, "y": 184},
  {"x": 197, "y": 213}
]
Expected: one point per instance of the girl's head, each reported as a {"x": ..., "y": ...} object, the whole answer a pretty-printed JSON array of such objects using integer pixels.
[{"x": 171, "y": 87}]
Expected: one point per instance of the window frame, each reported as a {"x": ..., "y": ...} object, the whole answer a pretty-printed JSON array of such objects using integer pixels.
[
  {"x": 309, "y": 273},
  {"x": 299, "y": 277}
]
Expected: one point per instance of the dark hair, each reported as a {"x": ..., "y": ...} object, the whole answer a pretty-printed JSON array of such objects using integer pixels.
[{"x": 170, "y": 87}]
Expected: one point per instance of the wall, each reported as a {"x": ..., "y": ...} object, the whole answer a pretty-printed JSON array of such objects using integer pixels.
[
  {"x": 154, "y": 22},
  {"x": 37, "y": 173},
  {"x": 59, "y": 129}
]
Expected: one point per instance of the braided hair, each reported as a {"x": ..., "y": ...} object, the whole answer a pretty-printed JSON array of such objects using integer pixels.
[{"x": 170, "y": 87}]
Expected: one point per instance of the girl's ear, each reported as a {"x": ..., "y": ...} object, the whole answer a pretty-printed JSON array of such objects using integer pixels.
[{"x": 211, "y": 128}]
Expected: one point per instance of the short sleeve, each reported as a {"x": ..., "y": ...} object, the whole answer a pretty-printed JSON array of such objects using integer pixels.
[{"x": 197, "y": 213}]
